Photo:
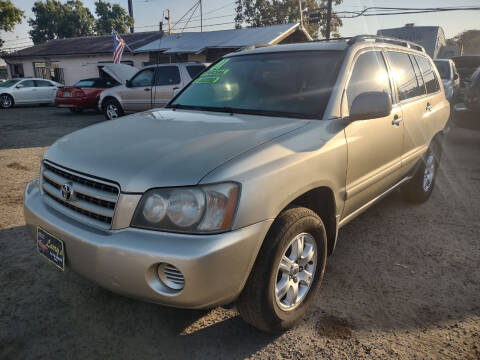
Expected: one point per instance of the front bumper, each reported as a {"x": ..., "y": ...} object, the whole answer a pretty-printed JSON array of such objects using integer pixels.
[{"x": 215, "y": 267}]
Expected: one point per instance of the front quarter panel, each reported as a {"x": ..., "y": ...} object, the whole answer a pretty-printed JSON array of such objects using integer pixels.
[{"x": 274, "y": 174}]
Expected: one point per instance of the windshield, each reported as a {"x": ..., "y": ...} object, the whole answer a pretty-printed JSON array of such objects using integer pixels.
[
  {"x": 444, "y": 69},
  {"x": 290, "y": 84},
  {"x": 9, "y": 83}
]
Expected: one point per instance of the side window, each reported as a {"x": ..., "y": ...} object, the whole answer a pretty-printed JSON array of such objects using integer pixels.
[
  {"x": 404, "y": 75},
  {"x": 194, "y": 70},
  {"x": 43, "y": 83},
  {"x": 369, "y": 74},
  {"x": 143, "y": 78},
  {"x": 421, "y": 90},
  {"x": 428, "y": 74},
  {"x": 167, "y": 75},
  {"x": 27, "y": 83}
]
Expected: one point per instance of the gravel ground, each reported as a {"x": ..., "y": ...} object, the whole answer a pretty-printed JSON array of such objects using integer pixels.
[{"x": 404, "y": 281}]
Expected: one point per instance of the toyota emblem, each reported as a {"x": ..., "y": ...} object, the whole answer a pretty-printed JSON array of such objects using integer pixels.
[{"x": 67, "y": 191}]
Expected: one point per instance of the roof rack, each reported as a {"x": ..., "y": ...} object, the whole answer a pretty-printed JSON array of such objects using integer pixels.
[{"x": 389, "y": 40}]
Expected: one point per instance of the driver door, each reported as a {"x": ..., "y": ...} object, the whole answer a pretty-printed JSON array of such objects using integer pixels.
[
  {"x": 138, "y": 95},
  {"x": 374, "y": 145},
  {"x": 25, "y": 92}
]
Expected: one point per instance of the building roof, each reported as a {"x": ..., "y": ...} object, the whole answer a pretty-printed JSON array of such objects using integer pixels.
[
  {"x": 196, "y": 42},
  {"x": 427, "y": 36},
  {"x": 88, "y": 45}
]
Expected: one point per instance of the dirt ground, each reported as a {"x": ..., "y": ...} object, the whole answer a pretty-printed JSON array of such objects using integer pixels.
[{"x": 404, "y": 281}]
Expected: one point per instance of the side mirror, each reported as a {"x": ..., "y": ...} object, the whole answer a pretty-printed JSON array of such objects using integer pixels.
[
  {"x": 128, "y": 84},
  {"x": 19, "y": 86},
  {"x": 370, "y": 105}
]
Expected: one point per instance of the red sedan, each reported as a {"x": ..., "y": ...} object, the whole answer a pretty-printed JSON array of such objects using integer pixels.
[{"x": 83, "y": 95}]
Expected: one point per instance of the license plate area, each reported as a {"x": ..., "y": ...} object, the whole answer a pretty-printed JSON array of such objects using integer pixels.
[
  {"x": 51, "y": 248},
  {"x": 66, "y": 94}
]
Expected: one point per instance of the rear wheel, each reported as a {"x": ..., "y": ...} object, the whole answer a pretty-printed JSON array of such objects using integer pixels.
[
  {"x": 112, "y": 109},
  {"x": 420, "y": 187},
  {"x": 288, "y": 272},
  {"x": 6, "y": 101}
]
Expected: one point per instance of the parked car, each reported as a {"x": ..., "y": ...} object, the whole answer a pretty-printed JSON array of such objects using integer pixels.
[
  {"x": 27, "y": 91},
  {"x": 84, "y": 94},
  {"x": 450, "y": 78},
  {"x": 472, "y": 94},
  {"x": 151, "y": 87},
  {"x": 236, "y": 190}
]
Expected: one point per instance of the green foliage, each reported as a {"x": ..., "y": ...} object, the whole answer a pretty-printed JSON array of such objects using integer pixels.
[
  {"x": 9, "y": 16},
  {"x": 271, "y": 12},
  {"x": 55, "y": 20},
  {"x": 111, "y": 17}
]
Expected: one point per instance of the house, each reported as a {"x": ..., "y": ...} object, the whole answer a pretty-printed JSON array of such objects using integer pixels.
[
  {"x": 69, "y": 60},
  {"x": 432, "y": 38},
  {"x": 3, "y": 70},
  {"x": 209, "y": 46}
]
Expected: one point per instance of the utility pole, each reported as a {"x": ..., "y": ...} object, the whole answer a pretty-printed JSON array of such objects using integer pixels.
[
  {"x": 169, "y": 22},
  {"x": 301, "y": 13},
  {"x": 130, "y": 12},
  {"x": 329, "y": 19},
  {"x": 201, "y": 16}
]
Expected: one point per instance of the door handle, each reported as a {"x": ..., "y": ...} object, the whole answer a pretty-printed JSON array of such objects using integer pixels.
[
  {"x": 146, "y": 89},
  {"x": 396, "y": 120},
  {"x": 428, "y": 107}
]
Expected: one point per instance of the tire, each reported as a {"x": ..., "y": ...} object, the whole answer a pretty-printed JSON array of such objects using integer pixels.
[
  {"x": 6, "y": 101},
  {"x": 112, "y": 109},
  {"x": 75, "y": 110},
  {"x": 258, "y": 304},
  {"x": 420, "y": 187}
]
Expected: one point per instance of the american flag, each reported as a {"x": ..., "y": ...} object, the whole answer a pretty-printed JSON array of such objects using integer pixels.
[{"x": 118, "y": 46}]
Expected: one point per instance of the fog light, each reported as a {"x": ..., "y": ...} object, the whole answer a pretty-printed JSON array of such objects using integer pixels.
[{"x": 170, "y": 276}]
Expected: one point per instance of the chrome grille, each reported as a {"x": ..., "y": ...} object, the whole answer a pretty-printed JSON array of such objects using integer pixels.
[{"x": 93, "y": 200}]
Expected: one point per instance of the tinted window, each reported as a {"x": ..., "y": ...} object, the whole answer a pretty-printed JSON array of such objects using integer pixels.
[
  {"x": 404, "y": 75},
  {"x": 421, "y": 84},
  {"x": 444, "y": 69},
  {"x": 295, "y": 84},
  {"x": 43, "y": 83},
  {"x": 194, "y": 70},
  {"x": 105, "y": 83},
  {"x": 143, "y": 78},
  {"x": 428, "y": 74},
  {"x": 85, "y": 83},
  {"x": 369, "y": 74},
  {"x": 27, "y": 83},
  {"x": 167, "y": 75}
]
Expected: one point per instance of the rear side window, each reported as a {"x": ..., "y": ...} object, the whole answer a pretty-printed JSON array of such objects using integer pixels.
[
  {"x": 167, "y": 75},
  {"x": 405, "y": 76},
  {"x": 194, "y": 70},
  {"x": 421, "y": 89},
  {"x": 428, "y": 74},
  {"x": 369, "y": 74},
  {"x": 43, "y": 83},
  {"x": 105, "y": 83}
]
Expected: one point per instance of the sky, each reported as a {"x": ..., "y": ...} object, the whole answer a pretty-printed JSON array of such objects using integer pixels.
[{"x": 148, "y": 13}]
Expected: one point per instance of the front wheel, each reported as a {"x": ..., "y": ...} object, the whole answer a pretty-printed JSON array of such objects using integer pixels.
[
  {"x": 6, "y": 101},
  {"x": 112, "y": 109},
  {"x": 288, "y": 272}
]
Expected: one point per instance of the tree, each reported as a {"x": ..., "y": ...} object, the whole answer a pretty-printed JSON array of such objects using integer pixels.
[
  {"x": 9, "y": 16},
  {"x": 111, "y": 17},
  {"x": 54, "y": 20},
  {"x": 469, "y": 40},
  {"x": 271, "y": 12}
]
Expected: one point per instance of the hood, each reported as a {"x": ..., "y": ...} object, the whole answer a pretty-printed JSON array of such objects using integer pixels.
[
  {"x": 120, "y": 72},
  {"x": 164, "y": 147}
]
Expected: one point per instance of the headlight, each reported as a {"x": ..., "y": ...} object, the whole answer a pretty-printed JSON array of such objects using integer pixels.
[{"x": 199, "y": 209}]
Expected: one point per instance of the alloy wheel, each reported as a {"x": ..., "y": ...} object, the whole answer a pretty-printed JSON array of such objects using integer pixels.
[
  {"x": 429, "y": 172},
  {"x": 112, "y": 111},
  {"x": 295, "y": 271},
  {"x": 5, "y": 101}
]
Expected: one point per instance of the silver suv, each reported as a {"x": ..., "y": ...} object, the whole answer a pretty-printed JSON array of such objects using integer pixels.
[
  {"x": 151, "y": 87},
  {"x": 236, "y": 191}
]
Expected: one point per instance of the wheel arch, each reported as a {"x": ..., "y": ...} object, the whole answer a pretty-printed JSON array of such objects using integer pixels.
[{"x": 321, "y": 201}]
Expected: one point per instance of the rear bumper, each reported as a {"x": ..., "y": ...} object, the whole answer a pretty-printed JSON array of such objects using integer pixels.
[
  {"x": 73, "y": 102},
  {"x": 215, "y": 267}
]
